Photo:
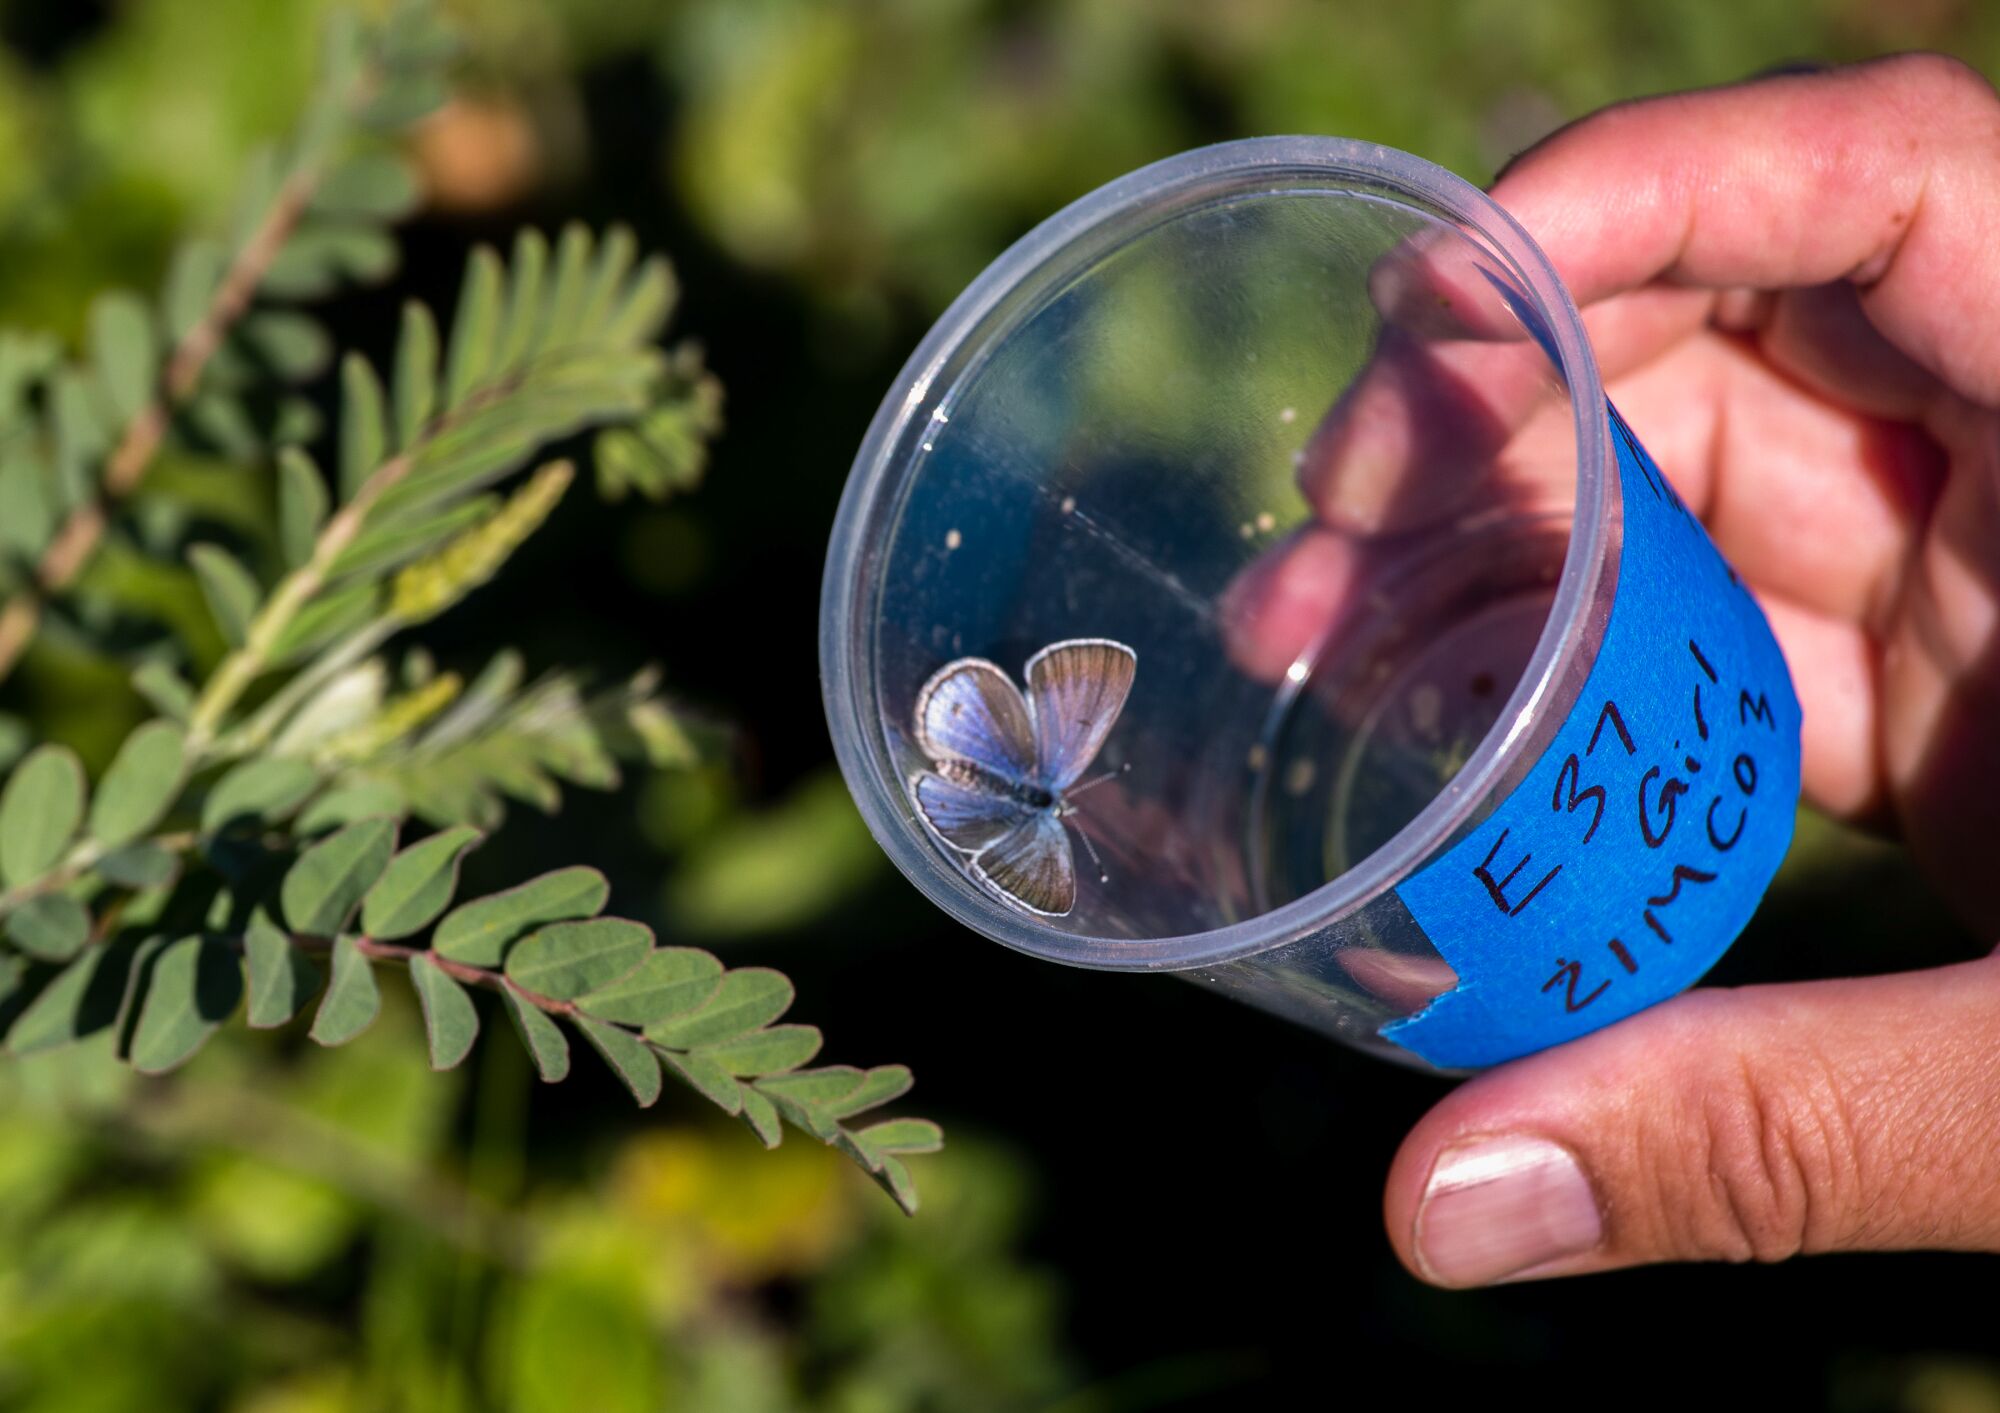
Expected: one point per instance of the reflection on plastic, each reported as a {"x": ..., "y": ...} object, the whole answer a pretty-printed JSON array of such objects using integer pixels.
[{"x": 1633, "y": 853}]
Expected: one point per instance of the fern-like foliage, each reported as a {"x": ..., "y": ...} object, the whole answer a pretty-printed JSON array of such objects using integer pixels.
[
  {"x": 295, "y": 764},
  {"x": 452, "y": 752},
  {"x": 561, "y": 341},
  {"x": 242, "y": 848},
  {"x": 109, "y": 936},
  {"x": 188, "y": 365}
]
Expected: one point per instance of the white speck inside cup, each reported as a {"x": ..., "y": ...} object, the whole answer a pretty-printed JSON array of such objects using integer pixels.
[{"x": 1296, "y": 420}]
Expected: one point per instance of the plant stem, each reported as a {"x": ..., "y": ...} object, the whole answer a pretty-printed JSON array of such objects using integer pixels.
[
  {"x": 78, "y": 535},
  {"x": 80, "y": 860},
  {"x": 243, "y": 666},
  {"x": 458, "y": 971},
  {"x": 255, "y": 733}
]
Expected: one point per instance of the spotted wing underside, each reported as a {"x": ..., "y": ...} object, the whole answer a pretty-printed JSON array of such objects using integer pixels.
[
  {"x": 1075, "y": 691},
  {"x": 1031, "y": 865},
  {"x": 970, "y": 711}
]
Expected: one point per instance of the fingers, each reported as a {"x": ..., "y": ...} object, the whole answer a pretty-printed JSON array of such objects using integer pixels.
[
  {"x": 1756, "y": 1124},
  {"x": 1821, "y": 509},
  {"x": 1806, "y": 498},
  {"x": 1822, "y": 337},
  {"x": 1940, "y": 677},
  {"x": 1416, "y": 435},
  {"x": 1881, "y": 173},
  {"x": 1296, "y": 595},
  {"x": 1834, "y": 669}
]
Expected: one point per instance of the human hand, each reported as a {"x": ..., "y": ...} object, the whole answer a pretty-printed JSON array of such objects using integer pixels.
[{"x": 1793, "y": 289}]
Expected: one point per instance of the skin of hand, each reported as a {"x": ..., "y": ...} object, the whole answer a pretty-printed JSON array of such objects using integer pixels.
[{"x": 1793, "y": 289}]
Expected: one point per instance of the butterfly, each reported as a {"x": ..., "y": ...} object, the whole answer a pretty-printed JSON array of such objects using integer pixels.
[{"x": 1002, "y": 765}]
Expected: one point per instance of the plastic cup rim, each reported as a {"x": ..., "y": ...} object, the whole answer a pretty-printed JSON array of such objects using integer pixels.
[{"x": 846, "y": 676}]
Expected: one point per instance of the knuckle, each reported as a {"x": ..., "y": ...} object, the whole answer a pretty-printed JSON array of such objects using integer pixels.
[
  {"x": 1944, "y": 84},
  {"x": 1757, "y": 1160}
]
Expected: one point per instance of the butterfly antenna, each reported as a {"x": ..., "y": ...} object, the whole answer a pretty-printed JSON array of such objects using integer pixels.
[
  {"x": 1097, "y": 780},
  {"x": 1103, "y": 876}
]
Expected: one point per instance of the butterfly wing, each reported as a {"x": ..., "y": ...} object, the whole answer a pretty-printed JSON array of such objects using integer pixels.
[
  {"x": 1075, "y": 691},
  {"x": 1031, "y": 865},
  {"x": 970, "y": 711},
  {"x": 968, "y": 819}
]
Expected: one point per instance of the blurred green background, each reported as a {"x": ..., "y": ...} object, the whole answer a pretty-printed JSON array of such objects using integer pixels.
[{"x": 1152, "y": 1199}]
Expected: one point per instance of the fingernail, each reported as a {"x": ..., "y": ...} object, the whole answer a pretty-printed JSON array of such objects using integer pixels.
[{"x": 1500, "y": 1207}]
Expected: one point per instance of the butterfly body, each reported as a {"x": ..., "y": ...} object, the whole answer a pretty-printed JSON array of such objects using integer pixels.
[
  {"x": 970, "y": 776},
  {"x": 1002, "y": 763}
]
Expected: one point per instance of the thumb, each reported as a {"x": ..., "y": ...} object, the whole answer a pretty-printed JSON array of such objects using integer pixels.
[{"x": 1732, "y": 1125}]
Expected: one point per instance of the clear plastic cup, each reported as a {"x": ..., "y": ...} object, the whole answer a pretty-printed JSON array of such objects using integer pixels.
[{"x": 1147, "y": 422}]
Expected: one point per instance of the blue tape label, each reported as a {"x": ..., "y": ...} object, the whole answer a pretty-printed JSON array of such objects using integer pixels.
[{"x": 1638, "y": 846}]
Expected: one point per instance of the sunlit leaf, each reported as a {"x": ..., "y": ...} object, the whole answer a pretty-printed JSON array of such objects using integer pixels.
[
  {"x": 903, "y": 1136},
  {"x": 645, "y": 302},
  {"x": 762, "y": 1117},
  {"x": 615, "y": 253},
  {"x": 139, "y": 786},
  {"x": 374, "y": 184},
  {"x": 348, "y": 804},
  {"x": 352, "y": 999},
  {"x": 82, "y": 999},
  {"x": 479, "y": 932},
  {"x": 814, "y": 1087},
  {"x": 568, "y": 285},
  {"x": 746, "y": 999},
  {"x": 230, "y": 590},
  {"x": 330, "y": 616},
  {"x": 82, "y": 435},
  {"x": 327, "y": 882},
  {"x": 473, "y": 326},
  {"x": 450, "y": 1019},
  {"x": 364, "y": 432},
  {"x": 263, "y": 789},
  {"x": 668, "y": 982},
  {"x": 141, "y": 865},
  {"x": 877, "y": 1087},
  {"x": 164, "y": 689},
  {"x": 123, "y": 349},
  {"x": 302, "y": 504},
  {"x": 417, "y": 885},
  {"x": 416, "y": 372},
  {"x": 389, "y": 543},
  {"x": 566, "y": 959},
  {"x": 51, "y": 928},
  {"x": 707, "y": 1078},
  {"x": 522, "y": 321},
  {"x": 628, "y": 1057},
  {"x": 193, "y": 988},
  {"x": 319, "y": 256},
  {"x": 40, "y": 808},
  {"x": 542, "y": 1037},
  {"x": 27, "y": 506},
  {"x": 896, "y": 1181},
  {"x": 292, "y": 345},
  {"x": 192, "y": 277},
  {"x": 282, "y": 978},
  {"x": 761, "y": 1052}
]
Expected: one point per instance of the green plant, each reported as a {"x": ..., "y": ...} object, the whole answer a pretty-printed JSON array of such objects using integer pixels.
[{"x": 241, "y": 847}]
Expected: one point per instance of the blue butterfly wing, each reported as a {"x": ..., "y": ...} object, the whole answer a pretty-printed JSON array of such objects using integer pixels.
[
  {"x": 970, "y": 711},
  {"x": 1031, "y": 866},
  {"x": 1075, "y": 691},
  {"x": 964, "y": 817}
]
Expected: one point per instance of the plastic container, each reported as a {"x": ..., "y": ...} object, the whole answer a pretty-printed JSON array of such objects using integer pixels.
[{"x": 1121, "y": 431}]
